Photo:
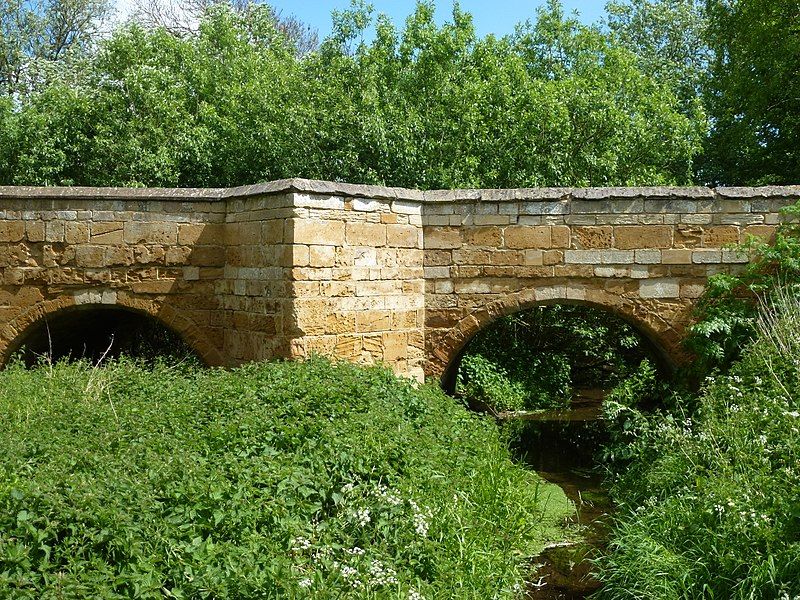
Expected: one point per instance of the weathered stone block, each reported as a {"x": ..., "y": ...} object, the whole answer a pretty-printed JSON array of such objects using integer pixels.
[
  {"x": 629, "y": 237},
  {"x": 321, "y": 256},
  {"x": 365, "y": 234},
  {"x": 482, "y": 236},
  {"x": 402, "y": 236},
  {"x": 715, "y": 237},
  {"x": 150, "y": 233},
  {"x": 660, "y": 288},
  {"x": 442, "y": 238},
  {"x": 676, "y": 257},
  {"x": 583, "y": 257},
  {"x": 706, "y": 256},
  {"x": 616, "y": 257},
  {"x": 588, "y": 238},
  {"x": 12, "y": 231},
  {"x": 319, "y": 232},
  {"x": 522, "y": 237},
  {"x": 648, "y": 257}
]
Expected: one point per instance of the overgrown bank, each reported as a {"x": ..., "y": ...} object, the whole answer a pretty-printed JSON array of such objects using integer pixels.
[
  {"x": 277, "y": 480},
  {"x": 709, "y": 500}
]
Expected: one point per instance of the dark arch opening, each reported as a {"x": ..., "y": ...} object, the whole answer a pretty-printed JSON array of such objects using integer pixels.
[
  {"x": 545, "y": 345},
  {"x": 96, "y": 333}
]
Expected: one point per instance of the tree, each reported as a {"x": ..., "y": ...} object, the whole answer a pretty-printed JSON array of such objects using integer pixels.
[
  {"x": 428, "y": 106},
  {"x": 35, "y": 34},
  {"x": 670, "y": 39},
  {"x": 754, "y": 92},
  {"x": 182, "y": 17}
]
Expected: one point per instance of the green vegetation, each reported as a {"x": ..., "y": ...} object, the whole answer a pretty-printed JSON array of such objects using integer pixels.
[
  {"x": 708, "y": 504},
  {"x": 537, "y": 358},
  {"x": 312, "y": 480},
  {"x": 728, "y": 310},
  {"x": 428, "y": 105}
]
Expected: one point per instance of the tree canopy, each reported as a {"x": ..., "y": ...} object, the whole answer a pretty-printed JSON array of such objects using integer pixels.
[{"x": 665, "y": 92}]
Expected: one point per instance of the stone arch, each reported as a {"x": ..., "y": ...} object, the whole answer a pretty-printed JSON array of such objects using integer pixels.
[
  {"x": 660, "y": 321},
  {"x": 12, "y": 334}
]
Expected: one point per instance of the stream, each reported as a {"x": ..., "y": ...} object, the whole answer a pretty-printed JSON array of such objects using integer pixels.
[{"x": 561, "y": 445}]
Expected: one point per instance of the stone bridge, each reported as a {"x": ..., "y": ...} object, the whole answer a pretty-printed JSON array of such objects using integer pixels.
[{"x": 365, "y": 273}]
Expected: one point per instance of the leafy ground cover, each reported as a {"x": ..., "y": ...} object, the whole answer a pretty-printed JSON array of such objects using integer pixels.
[
  {"x": 312, "y": 480},
  {"x": 709, "y": 503}
]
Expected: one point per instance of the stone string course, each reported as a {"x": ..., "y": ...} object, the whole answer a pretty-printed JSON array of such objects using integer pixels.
[{"x": 367, "y": 273}]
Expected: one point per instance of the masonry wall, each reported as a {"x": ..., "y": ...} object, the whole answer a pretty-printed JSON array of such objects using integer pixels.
[
  {"x": 645, "y": 254},
  {"x": 149, "y": 251},
  {"x": 366, "y": 273}
]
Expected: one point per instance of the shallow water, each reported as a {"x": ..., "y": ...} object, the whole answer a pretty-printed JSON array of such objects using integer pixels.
[{"x": 561, "y": 446}]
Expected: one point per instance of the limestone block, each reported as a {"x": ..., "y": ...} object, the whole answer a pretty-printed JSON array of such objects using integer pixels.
[
  {"x": 648, "y": 257},
  {"x": 272, "y": 231},
  {"x": 107, "y": 232},
  {"x": 611, "y": 272},
  {"x": 582, "y": 257},
  {"x": 588, "y": 238},
  {"x": 442, "y": 238},
  {"x": 145, "y": 255},
  {"x": 715, "y": 237},
  {"x": 76, "y": 233},
  {"x": 482, "y": 236},
  {"x": 734, "y": 257},
  {"x": 90, "y": 256},
  {"x": 616, "y": 257},
  {"x": 586, "y": 270},
  {"x": 402, "y": 236},
  {"x": 676, "y": 257},
  {"x": 177, "y": 255},
  {"x": 34, "y": 231},
  {"x": 135, "y": 232},
  {"x": 552, "y": 257},
  {"x": 659, "y": 288},
  {"x": 12, "y": 231},
  {"x": 692, "y": 290},
  {"x": 560, "y": 236},
  {"x": 688, "y": 236},
  {"x": 765, "y": 232},
  {"x": 118, "y": 256},
  {"x": 365, "y": 234},
  {"x": 544, "y": 208},
  {"x": 373, "y": 320},
  {"x": 523, "y": 237},
  {"x": 366, "y": 205},
  {"x": 158, "y": 286},
  {"x": 395, "y": 345},
  {"x": 533, "y": 258},
  {"x": 491, "y": 219},
  {"x": 54, "y": 231},
  {"x": 706, "y": 256},
  {"x": 320, "y": 232},
  {"x": 741, "y": 219},
  {"x": 444, "y": 286},
  {"x": 321, "y": 256},
  {"x": 629, "y": 237},
  {"x": 405, "y": 207},
  {"x": 700, "y": 219}
]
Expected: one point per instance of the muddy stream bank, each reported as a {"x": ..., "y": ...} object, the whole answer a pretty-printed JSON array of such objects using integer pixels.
[{"x": 561, "y": 446}]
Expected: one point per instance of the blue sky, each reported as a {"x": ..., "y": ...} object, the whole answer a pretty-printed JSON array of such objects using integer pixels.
[{"x": 495, "y": 16}]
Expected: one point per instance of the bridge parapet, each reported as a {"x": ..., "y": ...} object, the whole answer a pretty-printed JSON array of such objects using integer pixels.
[{"x": 367, "y": 273}]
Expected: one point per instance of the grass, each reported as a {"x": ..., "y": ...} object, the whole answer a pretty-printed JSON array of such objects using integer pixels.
[{"x": 313, "y": 480}]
